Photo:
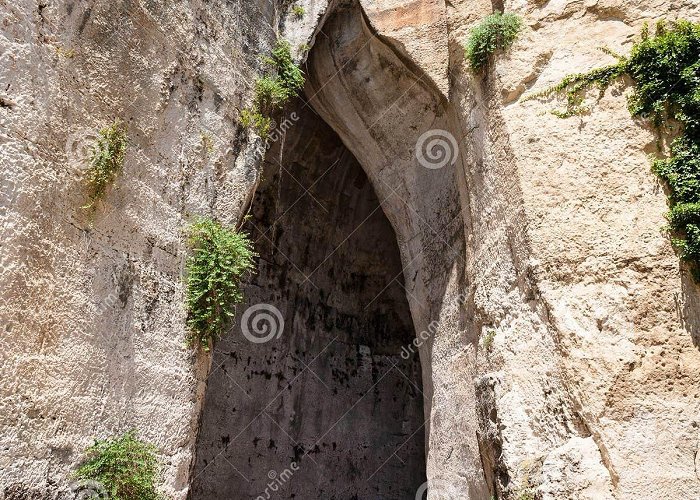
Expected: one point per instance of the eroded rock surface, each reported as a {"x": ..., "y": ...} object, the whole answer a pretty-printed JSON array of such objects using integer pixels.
[
  {"x": 92, "y": 340},
  {"x": 565, "y": 358}
]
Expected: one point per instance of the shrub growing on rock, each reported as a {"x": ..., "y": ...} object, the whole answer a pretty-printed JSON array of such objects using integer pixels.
[
  {"x": 282, "y": 82},
  {"x": 106, "y": 160},
  {"x": 125, "y": 466},
  {"x": 495, "y": 32},
  {"x": 220, "y": 257},
  {"x": 252, "y": 118}
]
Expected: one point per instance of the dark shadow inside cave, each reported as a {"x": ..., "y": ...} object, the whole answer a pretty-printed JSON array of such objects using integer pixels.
[{"x": 328, "y": 409}]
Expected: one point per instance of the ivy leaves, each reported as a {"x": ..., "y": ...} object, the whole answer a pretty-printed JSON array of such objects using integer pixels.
[{"x": 665, "y": 71}]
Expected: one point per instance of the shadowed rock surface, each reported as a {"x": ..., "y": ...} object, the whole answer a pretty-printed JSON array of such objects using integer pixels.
[{"x": 332, "y": 392}]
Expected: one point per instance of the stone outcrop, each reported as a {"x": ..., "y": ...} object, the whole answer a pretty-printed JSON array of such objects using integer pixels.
[{"x": 562, "y": 356}]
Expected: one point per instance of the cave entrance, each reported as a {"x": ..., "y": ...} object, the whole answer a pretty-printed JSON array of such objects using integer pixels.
[{"x": 329, "y": 408}]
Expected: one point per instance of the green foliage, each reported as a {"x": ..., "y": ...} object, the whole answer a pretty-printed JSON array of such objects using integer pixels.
[
  {"x": 106, "y": 160},
  {"x": 495, "y": 32},
  {"x": 487, "y": 341},
  {"x": 220, "y": 257},
  {"x": 665, "y": 72},
  {"x": 575, "y": 86},
  {"x": 287, "y": 75},
  {"x": 270, "y": 93},
  {"x": 125, "y": 466},
  {"x": 283, "y": 81},
  {"x": 298, "y": 11},
  {"x": 252, "y": 118}
]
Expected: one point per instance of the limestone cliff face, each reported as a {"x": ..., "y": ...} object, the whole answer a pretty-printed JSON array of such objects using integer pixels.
[
  {"x": 562, "y": 358},
  {"x": 92, "y": 315}
]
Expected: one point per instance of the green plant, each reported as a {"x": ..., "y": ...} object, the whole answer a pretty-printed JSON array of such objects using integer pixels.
[
  {"x": 665, "y": 72},
  {"x": 106, "y": 160},
  {"x": 495, "y": 32},
  {"x": 220, "y": 257},
  {"x": 252, "y": 118},
  {"x": 298, "y": 11},
  {"x": 575, "y": 87},
  {"x": 285, "y": 72},
  {"x": 283, "y": 81},
  {"x": 207, "y": 142},
  {"x": 487, "y": 341},
  {"x": 125, "y": 466},
  {"x": 270, "y": 93}
]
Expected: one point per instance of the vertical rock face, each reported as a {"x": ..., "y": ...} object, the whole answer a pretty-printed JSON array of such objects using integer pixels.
[
  {"x": 92, "y": 336},
  {"x": 615, "y": 366},
  {"x": 322, "y": 391},
  {"x": 561, "y": 347},
  {"x": 381, "y": 106},
  {"x": 588, "y": 330}
]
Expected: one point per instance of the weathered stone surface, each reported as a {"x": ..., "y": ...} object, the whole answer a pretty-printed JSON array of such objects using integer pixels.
[
  {"x": 574, "y": 470},
  {"x": 565, "y": 361},
  {"x": 616, "y": 360},
  {"x": 91, "y": 308},
  {"x": 381, "y": 109},
  {"x": 417, "y": 30}
]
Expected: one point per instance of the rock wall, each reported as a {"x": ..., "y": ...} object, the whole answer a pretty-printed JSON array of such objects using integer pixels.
[
  {"x": 566, "y": 358},
  {"x": 91, "y": 304},
  {"x": 574, "y": 332},
  {"x": 613, "y": 414},
  {"x": 380, "y": 107}
]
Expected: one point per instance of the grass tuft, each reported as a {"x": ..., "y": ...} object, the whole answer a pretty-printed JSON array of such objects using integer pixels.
[{"x": 495, "y": 32}]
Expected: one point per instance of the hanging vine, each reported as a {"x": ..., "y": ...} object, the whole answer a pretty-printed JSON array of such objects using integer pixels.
[{"x": 664, "y": 69}]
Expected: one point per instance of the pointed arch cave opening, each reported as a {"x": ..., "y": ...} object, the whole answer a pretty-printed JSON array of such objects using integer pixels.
[{"x": 329, "y": 408}]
